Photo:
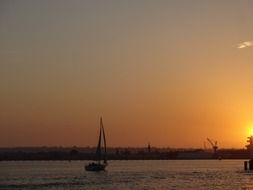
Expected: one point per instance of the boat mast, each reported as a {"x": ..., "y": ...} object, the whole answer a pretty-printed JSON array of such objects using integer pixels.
[
  {"x": 103, "y": 131},
  {"x": 98, "y": 151}
]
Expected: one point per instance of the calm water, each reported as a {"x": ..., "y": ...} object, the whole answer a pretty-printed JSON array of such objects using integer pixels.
[{"x": 126, "y": 175}]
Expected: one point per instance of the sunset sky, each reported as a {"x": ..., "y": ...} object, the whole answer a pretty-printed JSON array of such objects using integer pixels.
[{"x": 171, "y": 73}]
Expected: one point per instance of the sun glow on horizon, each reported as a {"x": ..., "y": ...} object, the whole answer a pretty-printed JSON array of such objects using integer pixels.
[{"x": 250, "y": 129}]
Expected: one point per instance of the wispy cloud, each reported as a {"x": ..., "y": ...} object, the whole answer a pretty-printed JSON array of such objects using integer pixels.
[{"x": 245, "y": 44}]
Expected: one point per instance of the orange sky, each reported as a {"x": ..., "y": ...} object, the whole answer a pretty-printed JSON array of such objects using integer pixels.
[{"x": 165, "y": 72}]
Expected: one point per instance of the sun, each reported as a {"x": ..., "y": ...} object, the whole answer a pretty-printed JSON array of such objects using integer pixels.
[{"x": 250, "y": 130}]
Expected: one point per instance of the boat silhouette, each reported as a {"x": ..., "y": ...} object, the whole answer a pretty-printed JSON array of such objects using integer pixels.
[{"x": 100, "y": 158}]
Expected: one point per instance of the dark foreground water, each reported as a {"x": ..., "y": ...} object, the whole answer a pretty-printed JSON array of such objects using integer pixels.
[{"x": 126, "y": 175}]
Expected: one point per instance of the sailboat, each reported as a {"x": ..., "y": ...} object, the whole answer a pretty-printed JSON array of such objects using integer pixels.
[{"x": 101, "y": 161}]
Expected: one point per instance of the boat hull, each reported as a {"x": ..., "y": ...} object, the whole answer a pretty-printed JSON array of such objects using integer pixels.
[{"x": 95, "y": 167}]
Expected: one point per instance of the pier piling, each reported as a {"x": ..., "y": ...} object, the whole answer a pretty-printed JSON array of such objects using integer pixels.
[{"x": 245, "y": 165}]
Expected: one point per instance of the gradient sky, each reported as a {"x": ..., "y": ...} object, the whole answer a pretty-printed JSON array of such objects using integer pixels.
[{"x": 171, "y": 73}]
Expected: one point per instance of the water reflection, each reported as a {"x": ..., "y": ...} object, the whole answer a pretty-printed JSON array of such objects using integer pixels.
[{"x": 126, "y": 175}]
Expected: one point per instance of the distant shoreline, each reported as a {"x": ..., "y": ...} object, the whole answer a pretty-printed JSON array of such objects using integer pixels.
[{"x": 88, "y": 153}]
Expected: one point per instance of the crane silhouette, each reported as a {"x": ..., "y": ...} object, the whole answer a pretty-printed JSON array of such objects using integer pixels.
[{"x": 214, "y": 145}]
